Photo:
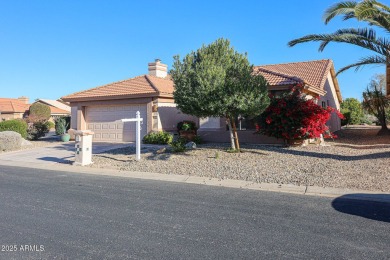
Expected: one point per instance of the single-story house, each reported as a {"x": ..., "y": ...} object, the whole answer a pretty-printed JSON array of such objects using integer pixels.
[
  {"x": 17, "y": 108},
  {"x": 57, "y": 108},
  {"x": 100, "y": 109},
  {"x": 13, "y": 108}
]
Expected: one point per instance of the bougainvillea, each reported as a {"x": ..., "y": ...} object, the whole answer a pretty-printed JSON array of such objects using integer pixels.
[{"x": 293, "y": 116}]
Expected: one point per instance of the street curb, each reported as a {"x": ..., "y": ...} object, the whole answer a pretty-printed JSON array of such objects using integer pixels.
[{"x": 228, "y": 183}]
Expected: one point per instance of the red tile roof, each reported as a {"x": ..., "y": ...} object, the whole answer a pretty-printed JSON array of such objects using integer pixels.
[
  {"x": 141, "y": 85},
  {"x": 56, "y": 110},
  {"x": 11, "y": 105},
  {"x": 312, "y": 73}
]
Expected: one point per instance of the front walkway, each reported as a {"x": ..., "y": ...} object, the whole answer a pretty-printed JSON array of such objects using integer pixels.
[{"x": 57, "y": 153}]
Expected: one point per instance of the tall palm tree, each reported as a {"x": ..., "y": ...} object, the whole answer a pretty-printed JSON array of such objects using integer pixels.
[{"x": 375, "y": 14}]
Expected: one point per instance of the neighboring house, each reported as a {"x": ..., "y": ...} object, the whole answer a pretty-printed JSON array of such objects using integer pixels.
[
  {"x": 57, "y": 108},
  {"x": 100, "y": 109},
  {"x": 13, "y": 108}
]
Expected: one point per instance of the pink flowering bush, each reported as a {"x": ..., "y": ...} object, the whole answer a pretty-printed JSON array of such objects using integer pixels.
[{"x": 292, "y": 116}]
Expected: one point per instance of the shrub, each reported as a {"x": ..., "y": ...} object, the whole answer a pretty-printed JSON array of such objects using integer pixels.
[
  {"x": 292, "y": 116},
  {"x": 355, "y": 110},
  {"x": 186, "y": 126},
  {"x": 178, "y": 146},
  {"x": 347, "y": 118},
  {"x": 197, "y": 139},
  {"x": 39, "y": 112},
  {"x": 37, "y": 130},
  {"x": 16, "y": 125},
  {"x": 50, "y": 124},
  {"x": 158, "y": 138},
  {"x": 61, "y": 125}
]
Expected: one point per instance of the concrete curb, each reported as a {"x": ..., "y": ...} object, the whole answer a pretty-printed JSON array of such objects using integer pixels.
[{"x": 240, "y": 184}]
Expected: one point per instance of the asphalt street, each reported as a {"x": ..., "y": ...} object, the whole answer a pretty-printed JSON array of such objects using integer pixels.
[{"x": 60, "y": 215}]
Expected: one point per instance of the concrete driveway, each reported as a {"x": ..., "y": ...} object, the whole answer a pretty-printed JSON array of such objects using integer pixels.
[{"x": 57, "y": 153}]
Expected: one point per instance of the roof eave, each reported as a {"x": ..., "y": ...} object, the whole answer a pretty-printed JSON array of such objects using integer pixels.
[
  {"x": 101, "y": 98},
  {"x": 336, "y": 84}
]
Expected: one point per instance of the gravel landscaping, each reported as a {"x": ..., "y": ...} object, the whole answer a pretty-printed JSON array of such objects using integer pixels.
[{"x": 358, "y": 159}]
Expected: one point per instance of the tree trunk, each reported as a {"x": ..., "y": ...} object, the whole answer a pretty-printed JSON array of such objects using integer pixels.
[
  {"x": 387, "y": 78},
  {"x": 235, "y": 134},
  {"x": 232, "y": 143}
]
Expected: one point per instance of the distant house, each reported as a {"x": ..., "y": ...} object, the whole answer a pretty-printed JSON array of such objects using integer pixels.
[
  {"x": 100, "y": 109},
  {"x": 57, "y": 108},
  {"x": 13, "y": 108}
]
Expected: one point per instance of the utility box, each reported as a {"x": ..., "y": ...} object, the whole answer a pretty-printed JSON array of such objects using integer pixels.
[{"x": 83, "y": 147}]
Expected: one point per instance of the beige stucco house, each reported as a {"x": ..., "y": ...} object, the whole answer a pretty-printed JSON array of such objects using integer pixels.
[
  {"x": 17, "y": 108},
  {"x": 13, "y": 108},
  {"x": 100, "y": 109},
  {"x": 57, "y": 108}
]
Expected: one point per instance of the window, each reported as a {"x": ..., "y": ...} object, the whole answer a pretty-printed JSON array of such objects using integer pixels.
[
  {"x": 327, "y": 102},
  {"x": 323, "y": 104}
]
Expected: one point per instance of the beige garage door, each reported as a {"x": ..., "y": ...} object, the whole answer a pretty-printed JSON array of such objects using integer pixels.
[{"x": 105, "y": 122}]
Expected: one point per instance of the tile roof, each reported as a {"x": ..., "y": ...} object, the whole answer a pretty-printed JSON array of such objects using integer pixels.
[
  {"x": 313, "y": 73},
  {"x": 141, "y": 85},
  {"x": 55, "y": 103},
  {"x": 11, "y": 105},
  {"x": 56, "y": 110}
]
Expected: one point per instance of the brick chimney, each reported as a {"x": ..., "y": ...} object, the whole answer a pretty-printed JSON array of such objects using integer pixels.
[
  {"x": 158, "y": 69},
  {"x": 23, "y": 99}
]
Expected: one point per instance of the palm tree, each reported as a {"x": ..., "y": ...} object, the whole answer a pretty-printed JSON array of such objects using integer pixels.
[{"x": 375, "y": 14}]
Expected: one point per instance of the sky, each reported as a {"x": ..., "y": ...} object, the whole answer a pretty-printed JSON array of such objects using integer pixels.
[{"x": 49, "y": 49}]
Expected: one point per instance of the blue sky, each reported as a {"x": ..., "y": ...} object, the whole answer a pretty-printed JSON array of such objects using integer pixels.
[{"x": 49, "y": 49}]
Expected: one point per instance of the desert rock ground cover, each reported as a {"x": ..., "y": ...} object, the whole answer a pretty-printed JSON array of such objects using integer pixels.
[{"x": 358, "y": 159}]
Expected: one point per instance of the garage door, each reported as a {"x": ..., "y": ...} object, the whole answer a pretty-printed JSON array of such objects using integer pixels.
[{"x": 105, "y": 122}]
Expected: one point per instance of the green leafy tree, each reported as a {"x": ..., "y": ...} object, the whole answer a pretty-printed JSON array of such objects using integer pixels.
[
  {"x": 39, "y": 112},
  {"x": 354, "y": 109},
  {"x": 376, "y": 103},
  {"x": 375, "y": 14},
  {"x": 217, "y": 81}
]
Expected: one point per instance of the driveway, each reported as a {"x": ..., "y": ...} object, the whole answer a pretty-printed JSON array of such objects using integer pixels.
[{"x": 57, "y": 153}]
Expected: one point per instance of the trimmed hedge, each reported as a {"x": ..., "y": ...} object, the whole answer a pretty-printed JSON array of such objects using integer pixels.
[
  {"x": 40, "y": 111},
  {"x": 158, "y": 138},
  {"x": 15, "y": 125}
]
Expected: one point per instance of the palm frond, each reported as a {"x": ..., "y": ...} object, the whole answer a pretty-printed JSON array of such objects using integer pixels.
[
  {"x": 346, "y": 8},
  {"x": 370, "y": 60},
  {"x": 365, "y": 38}
]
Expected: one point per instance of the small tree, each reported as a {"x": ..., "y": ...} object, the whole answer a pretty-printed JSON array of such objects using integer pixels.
[
  {"x": 352, "y": 109},
  {"x": 376, "y": 103},
  {"x": 39, "y": 112},
  {"x": 217, "y": 81}
]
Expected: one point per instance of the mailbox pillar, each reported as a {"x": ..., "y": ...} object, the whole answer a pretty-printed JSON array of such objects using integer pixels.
[{"x": 83, "y": 147}]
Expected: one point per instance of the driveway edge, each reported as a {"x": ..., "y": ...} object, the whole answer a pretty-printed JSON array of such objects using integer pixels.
[{"x": 229, "y": 183}]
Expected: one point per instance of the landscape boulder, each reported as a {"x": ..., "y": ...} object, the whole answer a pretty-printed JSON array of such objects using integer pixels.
[
  {"x": 10, "y": 140},
  {"x": 190, "y": 145}
]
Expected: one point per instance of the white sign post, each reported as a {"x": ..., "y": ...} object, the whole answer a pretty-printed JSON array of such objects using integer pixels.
[{"x": 138, "y": 120}]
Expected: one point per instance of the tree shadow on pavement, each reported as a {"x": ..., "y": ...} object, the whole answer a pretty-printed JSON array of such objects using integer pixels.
[
  {"x": 381, "y": 155},
  {"x": 370, "y": 206}
]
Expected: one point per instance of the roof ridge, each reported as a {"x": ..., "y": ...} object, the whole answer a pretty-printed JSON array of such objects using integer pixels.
[
  {"x": 151, "y": 83},
  {"x": 116, "y": 82},
  {"x": 295, "y": 62},
  {"x": 295, "y": 78}
]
